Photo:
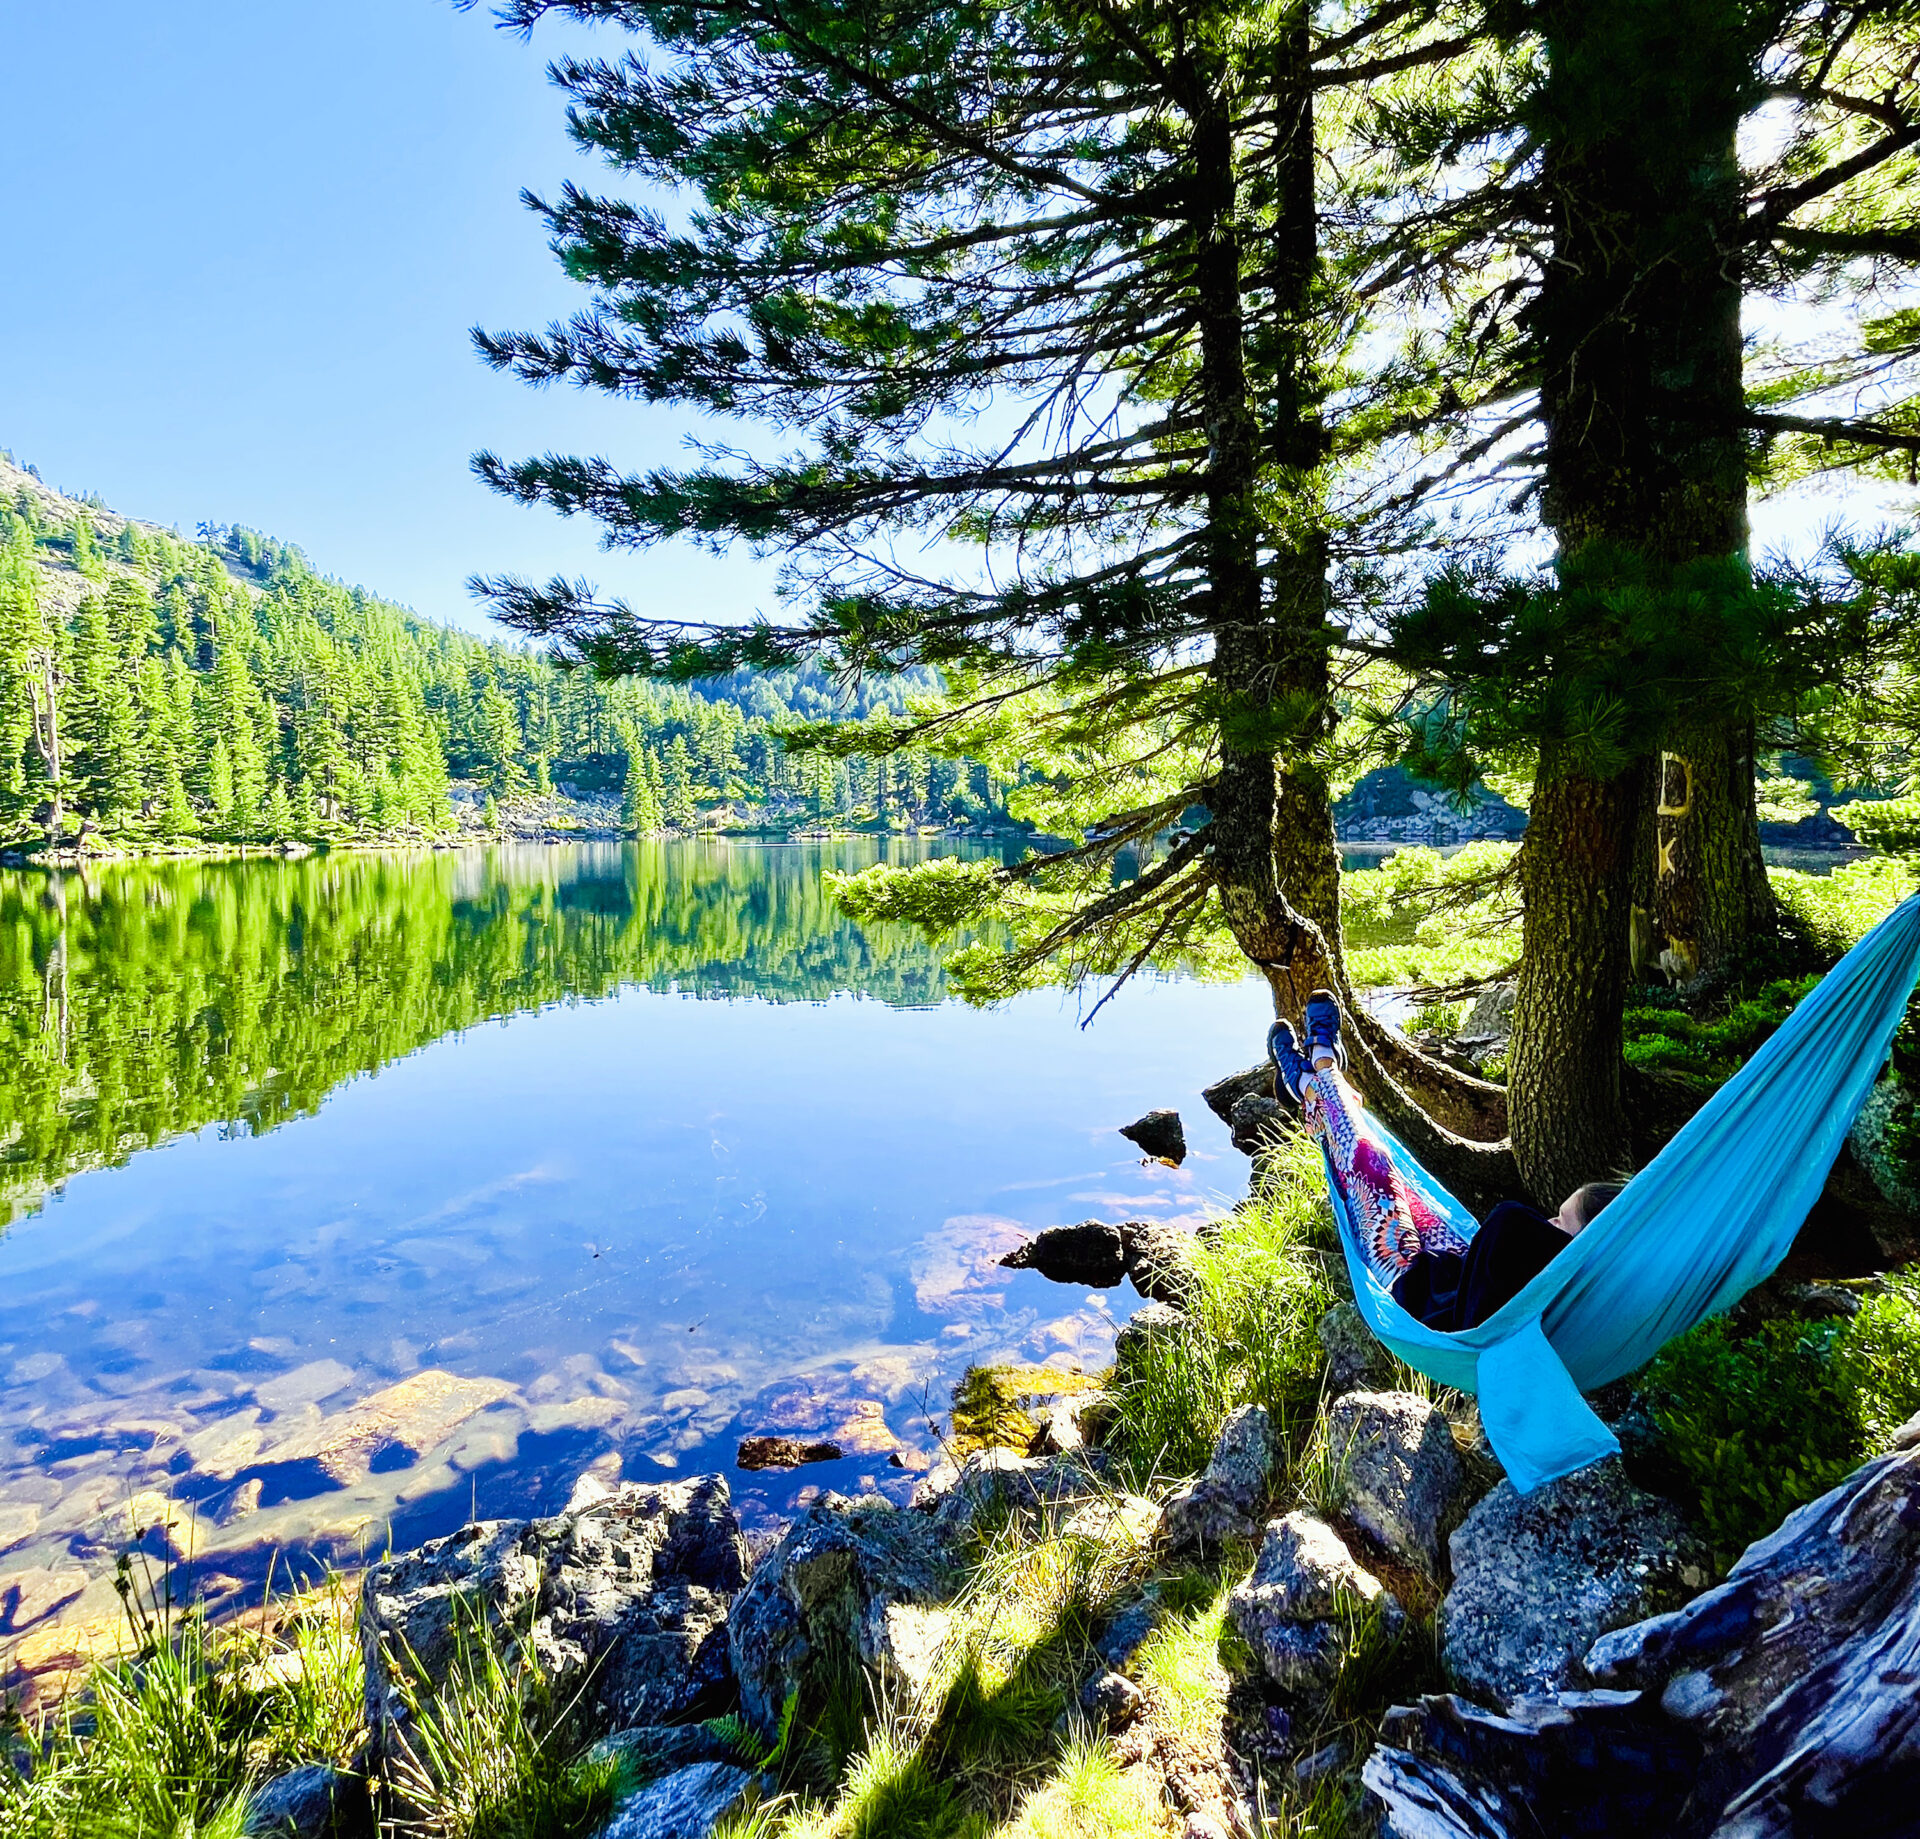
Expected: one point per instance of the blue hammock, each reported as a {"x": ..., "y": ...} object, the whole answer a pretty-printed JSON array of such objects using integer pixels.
[{"x": 1711, "y": 1216}]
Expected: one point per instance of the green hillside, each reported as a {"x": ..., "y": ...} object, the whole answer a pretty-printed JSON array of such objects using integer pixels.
[{"x": 161, "y": 692}]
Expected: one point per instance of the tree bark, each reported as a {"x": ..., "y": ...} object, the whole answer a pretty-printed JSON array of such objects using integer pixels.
[
  {"x": 1637, "y": 334},
  {"x": 1566, "y": 1104},
  {"x": 1710, "y": 889}
]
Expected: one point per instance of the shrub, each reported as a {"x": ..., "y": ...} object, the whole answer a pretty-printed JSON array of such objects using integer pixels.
[
  {"x": 1661, "y": 1036},
  {"x": 1879, "y": 1357},
  {"x": 1753, "y": 1427}
]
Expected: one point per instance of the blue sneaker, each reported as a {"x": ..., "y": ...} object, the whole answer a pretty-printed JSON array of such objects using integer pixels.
[
  {"x": 1290, "y": 1065},
  {"x": 1322, "y": 1018}
]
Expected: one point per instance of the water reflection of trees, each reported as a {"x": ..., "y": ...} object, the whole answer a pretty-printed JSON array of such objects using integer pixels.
[{"x": 139, "y": 1001}]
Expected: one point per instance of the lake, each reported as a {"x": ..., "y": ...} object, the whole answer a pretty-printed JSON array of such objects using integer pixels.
[{"x": 349, "y": 1197}]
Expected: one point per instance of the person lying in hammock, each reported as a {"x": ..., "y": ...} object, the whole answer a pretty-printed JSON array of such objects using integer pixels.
[{"x": 1447, "y": 1281}]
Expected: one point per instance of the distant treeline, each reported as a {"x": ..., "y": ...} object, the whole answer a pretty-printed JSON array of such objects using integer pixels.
[{"x": 220, "y": 689}]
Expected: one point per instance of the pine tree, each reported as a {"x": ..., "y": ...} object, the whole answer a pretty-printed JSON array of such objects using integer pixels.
[
  {"x": 640, "y": 809},
  {"x": 103, "y": 723},
  {"x": 86, "y": 551}
]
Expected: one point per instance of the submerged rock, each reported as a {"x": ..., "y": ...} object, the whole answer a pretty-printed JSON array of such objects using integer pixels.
[
  {"x": 784, "y": 1452},
  {"x": 687, "y": 1804},
  {"x": 1539, "y": 1578},
  {"x": 1226, "y": 1502},
  {"x": 1400, "y": 1471},
  {"x": 851, "y": 1584},
  {"x": 1160, "y": 1134},
  {"x": 1092, "y": 1253},
  {"x": 630, "y": 1593},
  {"x": 1296, "y": 1608}
]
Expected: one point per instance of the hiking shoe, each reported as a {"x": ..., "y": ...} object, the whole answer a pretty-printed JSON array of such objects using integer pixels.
[
  {"x": 1322, "y": 1017},
  {"x": 1289, "y": 1063}
]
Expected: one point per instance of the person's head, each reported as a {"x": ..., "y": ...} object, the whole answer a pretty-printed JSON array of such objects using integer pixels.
[{"x": 1579, "y": 1210}]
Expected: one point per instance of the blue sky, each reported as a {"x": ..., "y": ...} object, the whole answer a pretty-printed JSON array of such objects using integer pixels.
[{"x": 246, "y": 241}]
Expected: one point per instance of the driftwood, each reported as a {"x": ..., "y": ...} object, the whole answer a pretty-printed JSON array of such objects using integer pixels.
[{"x": 1785, "y": 1702}]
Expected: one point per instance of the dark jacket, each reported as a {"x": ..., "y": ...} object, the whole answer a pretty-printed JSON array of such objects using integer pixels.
[{"x": 1455, "y": 1290}]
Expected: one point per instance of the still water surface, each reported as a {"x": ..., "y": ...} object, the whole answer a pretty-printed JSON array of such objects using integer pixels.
[{"x": 353, "y": 1195}]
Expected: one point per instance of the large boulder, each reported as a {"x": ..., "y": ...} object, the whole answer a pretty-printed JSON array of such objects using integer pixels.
[
  {"x": 627, "y": 1598},
  {"x": 852, "y": 1584},
  {"x": 1258, "y": 1122},
  {"x": 1297, "y": 1607},
  {"x": 1225, "y": 1503},
  {"x": 1400, "y": 1471},
  {"x": 1093, "y": 1253},
  {"x": 1539, "y": 1578},
  {"x": 1797, "y": 1674},
  {"x": 1249, "y": 1082},
  {"x": 1779, "y": 1704},
  {"x": 687, "y": 1804}
]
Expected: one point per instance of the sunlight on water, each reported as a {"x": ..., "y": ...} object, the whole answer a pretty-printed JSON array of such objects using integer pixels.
[{"x": 388, "y": 1189}]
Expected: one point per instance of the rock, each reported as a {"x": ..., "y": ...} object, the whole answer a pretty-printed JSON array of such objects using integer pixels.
[
  {"x": 1123, "y": 1636},
  {"x": 1059, "y": 1430},
  {"x": 687, "y": 1804},
  {"x": 1143, "y": 1326},
  {"x": 1779, "y": 1704},
  {"x": 783, "y": 1452},
  {"x": 997, "y": 1480},
  {"x": 850, "y": 1582},
  {"x": 1328, "y": 1759},
  {"x": 1296, "y": 1606},
  {"x": 1117, "y": 1522},
  {"x": 1400, "y": 1471},
  {"x": 1490, "y": 1016},
  {"x": 650, "y": 1750},
  {"x": 1112, "y": 1699},
  {"x": 1908, "y": 1434},
  {"x": 1204, "y": 1826},
  {"x": 1226, "y": 1502},
  {"x": 28, "y": 1596},
  {"x": 1159, "y": 1133},
  {"x": 1250, "y": 1082},
  {"x": 1539, "y": 1578},
  {"x": 1355, "y": 1360},
  {"x": 1869, "y": 1137},
  {"x": 1160, "y": 1262},
  {"x": 630, "y": 1592},
  {"x": 1092, "y": 1253},
  {"x": 1257, "y": 1123},
  {"x": 315, "y": 1802}
]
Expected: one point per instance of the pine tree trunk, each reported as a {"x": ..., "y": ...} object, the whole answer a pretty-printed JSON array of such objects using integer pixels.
[
  {"x": 1637, "y": 329},
  {"x": 1565, "y": 1103},
  {"x": 1275, "y": 858}
]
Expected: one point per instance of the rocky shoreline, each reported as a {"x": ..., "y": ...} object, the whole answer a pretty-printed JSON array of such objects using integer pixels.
[{"x": 1398, "y": 1639}]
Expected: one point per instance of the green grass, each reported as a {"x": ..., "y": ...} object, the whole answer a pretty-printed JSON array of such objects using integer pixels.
[
  {"x": 168, "y": 1742},
  {"x": 1250, "y": 1336}
]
